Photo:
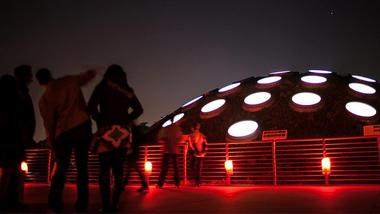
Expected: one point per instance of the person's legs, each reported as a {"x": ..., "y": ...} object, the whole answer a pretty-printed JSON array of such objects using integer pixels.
[
  {"x": 198, "y": 168},
  {"x": 176, "y": 171},
  {"x": 164, "y": 170},
  {"x": 104, "y": 180},
  {"x": 4, "y": 187},
  {"x": 117, "y": 171},
  {"x": 81, "y": 159},
  {"x": 62, "y": 153}
]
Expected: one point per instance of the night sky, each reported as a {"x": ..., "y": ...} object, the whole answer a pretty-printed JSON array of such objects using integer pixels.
[{"x": 174, "y": 51}]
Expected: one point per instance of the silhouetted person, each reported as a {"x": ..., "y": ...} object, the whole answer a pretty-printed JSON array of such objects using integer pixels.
[
  {"x": 24, "y": 77},
  {"x": 109, "y": 105},
  {"x": 198, "y": 146},
  {"x": 68, "y": 126},
  {"x": 11, "y": 147},
  {"x": 133, "y": 157},
  {"x": 170, "y": 136}
]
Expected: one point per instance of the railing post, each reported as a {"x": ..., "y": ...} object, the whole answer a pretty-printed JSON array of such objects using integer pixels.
[
  {"x": 145, "y": 160},
  {"x": 49, "y": 167},
  {"x": 324, "y": 155},
  {"x": 274, "y": 163},
  {"x": 378, "y": 147},
  {"x": 228, "y": 176},
  {"x": 185, "y": 149}
]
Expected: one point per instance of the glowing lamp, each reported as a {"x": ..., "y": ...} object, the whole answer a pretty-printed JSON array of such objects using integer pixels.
[
  {"x": 257, "y": 98},
  {"x": 24, "y": 167},
  {"x": 361, "y": 88},
  {"x": 228, "y": 165},
  {"x": 306, "y": 99},
  {"x": 312, "y": 79},
  {"x": 280, "y": 72},
  {"x": 326, "y": 166},
  {"x": 320, "y": 71},
  {"x": 242, "y": 129},
  {"x": 361, "y": 109},
  {"x": 229, "y": 87},
  {"x": 192, "y": 101},
  {"x": 363, "y": 78},
  {"x": 269, "y": 80},
  {"x": 212, "y": 106},
  {"x": 167, "y": 123},
  {"x": 178, "y": 117},
  {"x": 148, "y": 167}
]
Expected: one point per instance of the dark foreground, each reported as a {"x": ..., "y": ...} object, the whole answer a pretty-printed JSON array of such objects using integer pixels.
[{"x": 222, "y": 199}]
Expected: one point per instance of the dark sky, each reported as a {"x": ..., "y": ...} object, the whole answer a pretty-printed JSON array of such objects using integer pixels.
[{"x": 174, "y": 51}]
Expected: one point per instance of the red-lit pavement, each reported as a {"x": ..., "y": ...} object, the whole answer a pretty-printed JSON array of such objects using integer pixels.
[{"x": 221, "y": 199}]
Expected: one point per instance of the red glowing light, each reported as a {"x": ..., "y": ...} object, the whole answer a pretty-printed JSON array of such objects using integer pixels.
[
  {"x": 228, "y": 165},
  {"x": 326, "y": 165},
  {"x": 148, "y": 167},
  {"x": 24, "y": 167}
]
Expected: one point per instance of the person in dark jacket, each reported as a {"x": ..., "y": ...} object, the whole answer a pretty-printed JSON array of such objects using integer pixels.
[
  {"x": 11, "y": 148},
  {"x": 24, "y": 77},
  {"x": 109, "y": 105}
]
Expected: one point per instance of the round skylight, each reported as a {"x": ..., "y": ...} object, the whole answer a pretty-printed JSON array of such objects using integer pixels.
[
  {"x": 306, "y": 99},
  {"x": 192, "y": 101},
  {"x": 269, "y": 80},
  {"x": 313, "y": 79},
  {"x": 178, "y": 117},
  {"x": 167, "y": 123},
  {"x": 320, "y": 71},
  {"x": 243, "y": 129},
  {"x": 361, "y": 88},
  {"x": 280, "y": 72},
  {"x": 257, "y": 98},
  {"x": 363, "y": 78},
  {"x": 229, "y": 87},
  {"x": 361, "y": 109},
  {"x": 212, "y": 106}
]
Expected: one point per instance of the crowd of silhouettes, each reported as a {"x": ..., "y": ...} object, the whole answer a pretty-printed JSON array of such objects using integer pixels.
[{"x": 114, "y": 107}]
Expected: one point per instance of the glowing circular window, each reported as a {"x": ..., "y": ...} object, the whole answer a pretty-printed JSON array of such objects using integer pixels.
[
  {"x": 229, "y": 87},
  {"x": 313, "y": 79},
  {"x": 212, "y": 106},
  {"x": 257, "y": 98},
  {"x": 167, "y": 123},
  {"x": 306, "y": 99},
  {"x": 361, "y": 88},
  {"x": 178, "y": 117},
  {"x": 279, "y": 72},
  {"x": 269, "y": 80},
  {"x": 361, "y": 109},
  {"x": 192, "y": 101},
  {"x": 242, "y": 129},
  {"x": 363, "y": 78},
  {"x": 320, "y": 71}
]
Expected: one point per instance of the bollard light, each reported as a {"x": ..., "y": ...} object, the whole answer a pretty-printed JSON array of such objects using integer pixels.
[
  {"x": 24, "y": 167},
  {"x": 326, "y": 166},
  {"x": 148, "y": 167},
  {"x": 228, "y": 165}
]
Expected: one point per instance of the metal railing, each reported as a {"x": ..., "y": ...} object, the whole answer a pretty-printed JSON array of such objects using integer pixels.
[{"x": 354, "y": 160}]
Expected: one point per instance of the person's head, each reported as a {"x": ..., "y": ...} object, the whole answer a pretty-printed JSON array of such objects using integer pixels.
[
  {"x": 43, "y": 76},
  {"x": 23, "y": 74},
  {"x": 115, "y": 74},
  {"x": 195, "y": 126}
]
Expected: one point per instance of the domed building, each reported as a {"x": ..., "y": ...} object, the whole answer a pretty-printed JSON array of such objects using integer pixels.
[
  {"x": 316, "y": 127},
  {"x": 315, "y": 104}
]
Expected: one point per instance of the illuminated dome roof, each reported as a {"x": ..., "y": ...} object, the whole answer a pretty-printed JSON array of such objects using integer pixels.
[{"x": 283, "y": 100}]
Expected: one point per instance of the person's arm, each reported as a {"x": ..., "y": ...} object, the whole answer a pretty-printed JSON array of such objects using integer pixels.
[
  {"x": 93, "y": 104},
  {"x": 137, "y": 108},
  {"x": 50, "y": 120},
  {"x": 86, "y": 77}
]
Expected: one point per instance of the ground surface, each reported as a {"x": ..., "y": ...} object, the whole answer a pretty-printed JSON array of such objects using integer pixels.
[{"x": 222, "y": 199}]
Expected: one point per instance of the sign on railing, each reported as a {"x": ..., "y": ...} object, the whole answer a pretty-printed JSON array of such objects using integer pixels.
[
  {"x": 275, "y": 135},
  {"x": 371, "y": 130}
]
